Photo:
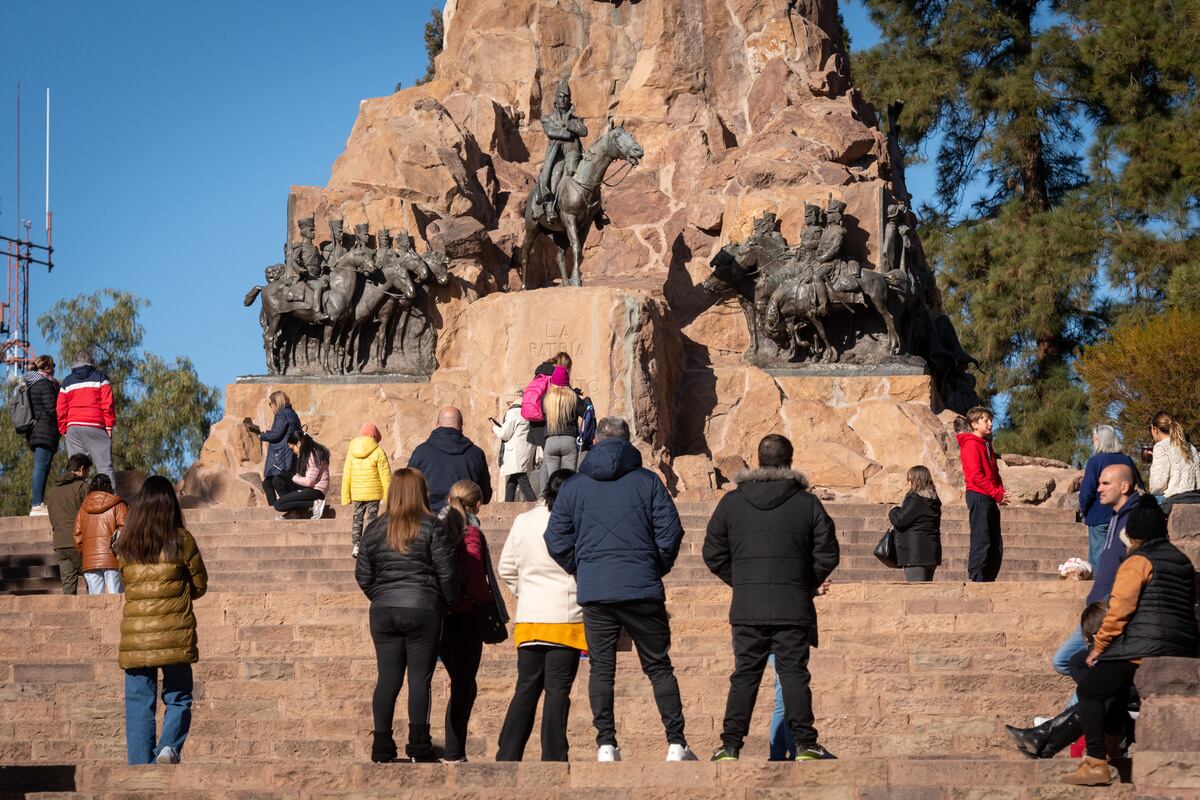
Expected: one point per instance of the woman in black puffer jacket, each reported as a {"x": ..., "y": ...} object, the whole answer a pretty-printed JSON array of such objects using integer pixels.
[
  {"x": 43, "y": 437},
  {"x": 918, "y": 526},
  {"x": 407, "y": 566}
]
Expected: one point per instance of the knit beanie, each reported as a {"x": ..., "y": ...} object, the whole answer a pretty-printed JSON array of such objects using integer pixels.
[
  {"x": 1147, "y": 521},
  {"x": 369, "y": 429},
  {"x": 560, "y": 377}
]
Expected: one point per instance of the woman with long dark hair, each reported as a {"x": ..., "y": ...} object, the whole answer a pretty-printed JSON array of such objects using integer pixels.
[
  {"x": 918, "y": 525},
  {"x": 163, "y": 573},
  {"x": 461, "y": 647},
  {"x": 311, "y": 479},
  {"x": 406, "y": 566}
]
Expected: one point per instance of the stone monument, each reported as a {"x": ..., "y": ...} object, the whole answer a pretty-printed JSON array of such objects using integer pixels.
[{"x": 754, "y": 153}]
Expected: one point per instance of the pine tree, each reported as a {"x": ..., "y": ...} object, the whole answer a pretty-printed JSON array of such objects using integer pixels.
[
  {"x": 435, "y": 30},
  {"x": 1009, "y": 238}
]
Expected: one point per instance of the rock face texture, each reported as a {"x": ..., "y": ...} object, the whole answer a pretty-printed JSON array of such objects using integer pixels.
[{"x": 740, "y": 109}]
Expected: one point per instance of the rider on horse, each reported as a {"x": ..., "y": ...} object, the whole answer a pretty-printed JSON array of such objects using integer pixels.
[
  {"x": 565, "y": 131},
  {"x": 304, "y": 263},
  {"x": 828, "y": 250}
]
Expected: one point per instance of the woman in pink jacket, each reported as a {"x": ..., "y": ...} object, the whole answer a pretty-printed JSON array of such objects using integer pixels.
[{"x": 311, "y": 479}]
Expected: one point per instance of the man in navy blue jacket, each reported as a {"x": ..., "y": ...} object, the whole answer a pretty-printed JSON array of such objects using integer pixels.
[
  {"x": 447, "y": 457},
  {"x": 615, "y": 528}
]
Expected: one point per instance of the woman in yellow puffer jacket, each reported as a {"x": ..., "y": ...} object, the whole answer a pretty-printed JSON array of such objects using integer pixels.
[
  {"x": 365, "y": 479},
  {"x": 163, "y": 573}
]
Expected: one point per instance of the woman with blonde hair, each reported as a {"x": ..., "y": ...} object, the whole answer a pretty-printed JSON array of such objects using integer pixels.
[
  {"x": 563, "y": 410},
  {"x": 918, "y": 525},
  {"x": 461, "y": 646},
  {"x": 280, "y": 461},
  {"x": 1175, "y": 467},
  {"x": 406, "y": 566}
]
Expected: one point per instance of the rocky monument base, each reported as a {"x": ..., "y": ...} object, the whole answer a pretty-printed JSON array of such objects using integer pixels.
[{"x": 855, "y": 434}]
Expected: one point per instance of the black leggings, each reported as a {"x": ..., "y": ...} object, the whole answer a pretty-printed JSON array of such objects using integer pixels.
[
  {"x": 275, "y": 486},
  {"x": 461, "y": 650},
  {"x": 406, "y": 640},
  {"x": 1104, "y": 701},
  {"x": 301, "y": 499},
  {"x": 518, "y": 480}
]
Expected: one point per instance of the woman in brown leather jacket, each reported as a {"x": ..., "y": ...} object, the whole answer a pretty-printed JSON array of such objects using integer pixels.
[
  {"x": 101, "y": 515},
  {"x": 163, "y": 574}
]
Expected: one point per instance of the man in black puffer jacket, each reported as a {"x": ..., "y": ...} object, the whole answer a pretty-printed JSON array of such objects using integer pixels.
[{"x": 772, "y": 541}]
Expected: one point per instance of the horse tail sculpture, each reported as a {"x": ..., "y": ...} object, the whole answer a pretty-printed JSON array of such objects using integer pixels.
[{"x": 252, "y": 295}]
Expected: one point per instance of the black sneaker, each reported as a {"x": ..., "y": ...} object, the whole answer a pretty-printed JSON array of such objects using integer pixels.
[
  {"x": 815, "y": 752},
  {"x": 726, "y": 754}
]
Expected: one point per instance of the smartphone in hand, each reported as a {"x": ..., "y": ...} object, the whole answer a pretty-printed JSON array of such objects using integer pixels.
[{"x": 493, "y": 421}]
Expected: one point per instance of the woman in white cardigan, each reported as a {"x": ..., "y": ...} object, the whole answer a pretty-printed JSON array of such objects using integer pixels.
[
  {"x": 548, "y": 633},
  {"x": 518, "y": 456},
  {"x": 1175, "y": 467}
]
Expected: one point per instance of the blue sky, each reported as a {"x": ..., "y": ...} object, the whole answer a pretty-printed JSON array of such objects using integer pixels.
[{"x": 177, "y": 130}]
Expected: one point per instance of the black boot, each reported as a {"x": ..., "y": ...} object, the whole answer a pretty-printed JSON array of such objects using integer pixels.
[
  {"x": 1045, "y": 740},
  {"x": 383, "y": 747},
  {"x": 420, "y": 745}
]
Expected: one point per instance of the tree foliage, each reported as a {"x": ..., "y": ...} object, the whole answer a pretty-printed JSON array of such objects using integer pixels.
[
  {"x": 1144, "y": 368},
  {"x": 1063, "y": 135},
  {"x": 163, "y": 409},
  {"x": 435, "y": 30}
]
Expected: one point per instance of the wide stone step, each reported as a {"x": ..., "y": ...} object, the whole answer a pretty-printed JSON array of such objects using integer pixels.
[{"x": 843, "y": 778}]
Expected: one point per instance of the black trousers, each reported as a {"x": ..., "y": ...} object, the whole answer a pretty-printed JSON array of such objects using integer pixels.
[
  {"x": 648, "y": 626},
  {"x": 752, "y": 644},
  {"x": 406, "y": 640},
  {"x": 460, "y": 649},
  {"x": 1103, "y": 692},
  {"x": 278, "y": 485},
  {"x": 987, "y": 545},
  {"x": 541, "y": 668},
  {"x": 301, "y": 499},
  {"x": 918, "y": 574},
  {"x": 518, "y": 480}
]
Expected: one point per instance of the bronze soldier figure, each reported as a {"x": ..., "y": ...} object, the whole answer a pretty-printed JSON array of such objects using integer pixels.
[
  {"x": 828, "y": 251},
  {"x": 564, "y": 151},
  {"x": 303, "y": 263}
]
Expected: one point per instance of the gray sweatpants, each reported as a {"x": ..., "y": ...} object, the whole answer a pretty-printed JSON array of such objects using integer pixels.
[
  {"x": 560, "y": 453},
  {"x": 96, "y": 445}
]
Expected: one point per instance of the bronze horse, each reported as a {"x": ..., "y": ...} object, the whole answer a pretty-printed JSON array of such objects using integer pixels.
[{"x": 577, "y": 198}]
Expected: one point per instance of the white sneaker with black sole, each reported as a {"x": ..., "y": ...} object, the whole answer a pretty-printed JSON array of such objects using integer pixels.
[
  {"x": 167, "y": 756},
  {"x": 608, "y": 753},
  {"x": 318, "y": 509},
  {"x": 680, "y": 752}
]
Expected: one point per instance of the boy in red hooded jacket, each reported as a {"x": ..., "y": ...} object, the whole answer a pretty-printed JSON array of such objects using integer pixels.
[{"x": 985, "y": 495}]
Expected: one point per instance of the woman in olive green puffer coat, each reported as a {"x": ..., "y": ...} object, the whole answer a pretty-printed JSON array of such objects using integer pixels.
[{"x": 163, "y": 573}]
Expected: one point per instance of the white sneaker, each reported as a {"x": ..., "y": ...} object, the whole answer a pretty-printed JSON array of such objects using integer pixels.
[
  {"x": 39, "y": 511},
  {"x": 608, "y": 753},
  {"x": 167, "y": 756},
  {"x": 1040, "y": 721},
  {"x": 354, "y": 552},
  {"x": 318, "y": 509},
  {"x": 680, "y": 752}
]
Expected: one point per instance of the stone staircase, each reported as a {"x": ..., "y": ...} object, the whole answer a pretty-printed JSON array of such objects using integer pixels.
[
  {"x": 912, "y": 683},
  {"x": 248, "y": 550}
]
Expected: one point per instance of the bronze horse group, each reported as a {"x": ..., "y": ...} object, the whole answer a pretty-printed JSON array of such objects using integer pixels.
[
  {"x": 350, "y": 305},
  {"x": 779, "y": 299}
]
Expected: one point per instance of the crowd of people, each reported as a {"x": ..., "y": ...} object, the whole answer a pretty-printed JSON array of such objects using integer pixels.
[{"x": 587, "y": 563}]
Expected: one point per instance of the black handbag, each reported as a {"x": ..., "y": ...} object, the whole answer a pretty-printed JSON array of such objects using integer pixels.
[
  {"x": 492, "y": 618},
  {"x": 885, "y": 551}
]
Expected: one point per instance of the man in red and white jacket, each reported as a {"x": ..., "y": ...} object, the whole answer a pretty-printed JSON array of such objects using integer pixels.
[
  {"x": 985, "y": 495},
  {"x": 85, "y": 413}
]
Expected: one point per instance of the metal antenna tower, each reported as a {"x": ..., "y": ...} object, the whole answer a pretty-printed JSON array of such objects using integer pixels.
[{"x": 16, "y": 352}]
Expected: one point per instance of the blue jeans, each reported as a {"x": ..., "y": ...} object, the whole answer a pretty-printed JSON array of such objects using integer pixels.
[
  {"x": 1097, "y": 536},
  {"x": 1074, "y": 645},
  {"x": 141, "y": 689},
  {"x": 41, "y": 470},
  {"x": 783, "y": 746}
]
